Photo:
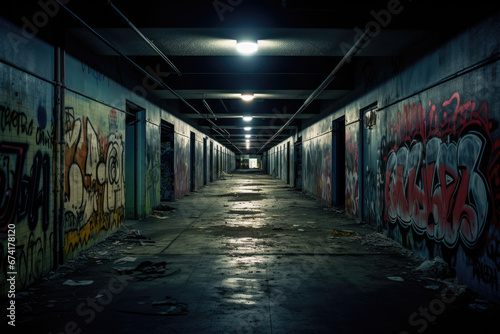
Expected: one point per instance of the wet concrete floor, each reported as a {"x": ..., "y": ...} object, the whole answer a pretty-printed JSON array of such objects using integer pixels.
[{"x": 248, "y": 254}]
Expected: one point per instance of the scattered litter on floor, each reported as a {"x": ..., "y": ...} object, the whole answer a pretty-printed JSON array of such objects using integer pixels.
[
  {"x": 136, "y": 237},
  {"x": 277, "y": 229},
  {"x": 163, "y": 207},
  {"x": 480, "y": 305},
  {"x": 312, "y": 226},
  {"x": 432, "y": 287},
  {"x": 300, "y": 229},
  {"x": 78, "y": 283},
  {"x": 342, "y": 232},
  {"x": 146, "y": 270},
  {"x": 148, "y": 267},
  {"x": 125, "y": 259},
  {"x": 396, "y": 278},
  {"x": 173, "y": 310},
  {"x": 159, "y": 217},
  {"x": 434, "y": 267},
  {"x": 378, "y": 240},
  {"x": 276, "y": 215}
]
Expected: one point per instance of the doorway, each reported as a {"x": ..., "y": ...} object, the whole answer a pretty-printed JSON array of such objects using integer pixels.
[
  {"x": 211, "y": 165},
  {"x": 287, "y": 161},
  {"x": 338, "y": 162},
  {"x": 167, "y": 186},
  {"x": 205, "y": 161},
  {"x": 192, "y": 170},
  {"x": 297, "y": 157},
  {"x": 135, "y": 147},
  {"x": 252, "y": 163}
]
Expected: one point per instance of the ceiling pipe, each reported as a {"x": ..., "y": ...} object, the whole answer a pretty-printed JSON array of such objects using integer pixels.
[
  {"x": 208, "y": 107},
  {"x": 159, "y": 82},
  {"x": 224, "y": 105},
  {"x": 147, "y": 40},
  {"x": 360, "y": 43}
]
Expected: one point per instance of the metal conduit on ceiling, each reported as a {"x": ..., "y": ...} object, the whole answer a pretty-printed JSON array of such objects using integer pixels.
[
  {"x": 360, "y": 43},
  {"x": 215, "y": 127}
]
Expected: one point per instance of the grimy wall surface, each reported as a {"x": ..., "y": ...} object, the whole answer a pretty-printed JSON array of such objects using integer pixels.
[
  {"x": 63, "y": 153},
  {"x": 426, "y": 170}
]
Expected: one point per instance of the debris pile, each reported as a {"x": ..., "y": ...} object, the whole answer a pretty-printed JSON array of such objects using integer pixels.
[{"x": 436, "y": 267}]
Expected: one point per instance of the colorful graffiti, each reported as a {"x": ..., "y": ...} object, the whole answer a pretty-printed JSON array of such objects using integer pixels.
[
  {"x": 182, "y": 159},
  {"x": 26, "y": 188},
  {"x": 317, "y": 176},
  {"x": 439, "y": 189},
  {"x": 25, "y": 198},
  {"x": 19, "y": 123},
  {"x": 94, "y": 180},
  {"x": 24, "y": 195},
  {"x": 436, "y": 180}
]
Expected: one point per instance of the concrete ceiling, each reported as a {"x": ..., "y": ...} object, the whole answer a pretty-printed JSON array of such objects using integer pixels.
[{"x": 300, "y": 43}]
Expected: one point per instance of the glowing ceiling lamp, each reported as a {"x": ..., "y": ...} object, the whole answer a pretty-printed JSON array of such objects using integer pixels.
[
  {"x": 247, "y": 47},
  {"x": 247, "y": 118},
  {"x": 247, "y": 136},
  {"x": 247, "y": 128},
  {"x": 247, "y": 97}
]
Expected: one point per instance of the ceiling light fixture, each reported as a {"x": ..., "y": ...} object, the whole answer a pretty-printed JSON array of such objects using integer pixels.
[
  {"x": 247, "y": 136},
  {"x": 247, "y": 47},
  {"x": 247, "y": 97},
  {"x": 247, "y": 118},
  {"x": 247, "y": 128}
]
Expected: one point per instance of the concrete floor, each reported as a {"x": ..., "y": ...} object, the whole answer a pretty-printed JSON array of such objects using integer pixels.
[{"x": 248, "y": 255}]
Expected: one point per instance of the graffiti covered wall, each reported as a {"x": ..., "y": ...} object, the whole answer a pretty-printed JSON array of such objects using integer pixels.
[
  {"x": 317, "y": 161},
  {"x": 352, "y": 169},
  {"x": 181, "y": 165},
  {"x": 94, "y": 187},
  {"x": 26, "y": 177},
  {"x": 441, "y": 159},
  {"x": 153, "y": 167}
]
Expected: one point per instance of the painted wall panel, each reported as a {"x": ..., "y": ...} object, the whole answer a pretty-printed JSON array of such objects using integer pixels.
[
  {"x": 181, "y": 167},
  {"x": 427, "y": 173},
  {"x": 27, "y": 133},
  {"x": 440, "y": 178},
  {"x": 153, "y": 167},
  {"x": 94, "y": 186},
  {"x": 317, "y": 170}
]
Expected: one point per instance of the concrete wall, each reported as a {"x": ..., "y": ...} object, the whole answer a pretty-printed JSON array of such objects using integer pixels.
[
  {"x": 62, "y": 166},
  {"x": 427, "y": 173},
  {"x": 28, "y": 230}
]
